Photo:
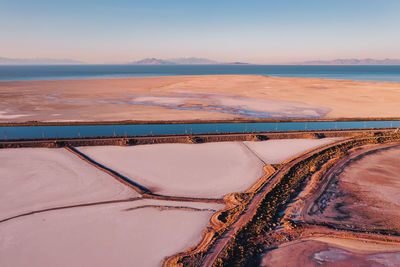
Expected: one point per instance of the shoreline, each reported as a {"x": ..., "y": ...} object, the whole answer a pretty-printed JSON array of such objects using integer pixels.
[
  {"x": 152, "y": 122},
  {"x": 191, "y": 75},
  {"x": 257, "y": 71},
  {"x": 194, "y": 98},
  {"x": 197, "y": 75}
]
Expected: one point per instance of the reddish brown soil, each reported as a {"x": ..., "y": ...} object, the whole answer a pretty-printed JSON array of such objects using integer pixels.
[
  {"x": 317, "y": 253},
  {"x": 352, "y": 219},
  {"x": 363, "y": 192}
]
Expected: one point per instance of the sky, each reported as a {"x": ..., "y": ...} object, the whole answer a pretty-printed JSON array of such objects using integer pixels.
[{"x": 255, "y": 31}]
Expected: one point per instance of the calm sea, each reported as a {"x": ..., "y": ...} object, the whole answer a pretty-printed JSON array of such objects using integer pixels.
[{"x": 62, "y": 72}]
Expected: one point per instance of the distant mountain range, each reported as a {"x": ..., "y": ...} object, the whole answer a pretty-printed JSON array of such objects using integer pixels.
[
  {"x": 152, "y": 61},
  {"x": 199, "y": 61},
  {"x": 194, "y": 61},
  {"x": 146, "y": 61},
  {"x": 180, "y": 61},
  {"x": 37, "y": 61},
  {"x": 353, "y": 61}
]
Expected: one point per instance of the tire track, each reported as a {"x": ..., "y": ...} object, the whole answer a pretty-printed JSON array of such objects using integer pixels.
[{"x": 70, "y": 207}]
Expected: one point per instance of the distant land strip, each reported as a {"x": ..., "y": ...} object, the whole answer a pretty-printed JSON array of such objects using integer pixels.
[{"x": 143, "y": 122}]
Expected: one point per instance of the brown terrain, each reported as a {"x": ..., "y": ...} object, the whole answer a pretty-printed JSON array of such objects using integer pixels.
[
  {"x": 333, "y": 252},
  {"x": 349, "y": 217},
  {"x": 196, "y": 97},
  {"x": 362, "y": 192}
]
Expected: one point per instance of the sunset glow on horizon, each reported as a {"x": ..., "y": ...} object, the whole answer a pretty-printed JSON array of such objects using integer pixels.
[{"x": 261, "y": 32}]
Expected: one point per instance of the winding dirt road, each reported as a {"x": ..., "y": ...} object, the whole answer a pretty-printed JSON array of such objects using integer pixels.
[{"x": 224, "y": 240}]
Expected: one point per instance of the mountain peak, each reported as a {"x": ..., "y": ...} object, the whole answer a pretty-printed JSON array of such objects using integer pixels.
[{"x": 152, "y": 61}]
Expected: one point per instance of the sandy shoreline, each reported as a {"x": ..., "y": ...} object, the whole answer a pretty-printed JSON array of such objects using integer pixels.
[{"x": 209, "y": 97}]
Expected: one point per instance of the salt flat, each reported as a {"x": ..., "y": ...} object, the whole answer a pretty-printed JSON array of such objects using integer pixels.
[
  {"x": 119, "y": 234},
  {"x": 276, "y": 151},
  {"x": 141, "y": 232},
  {"x": 197, "y": 170},
  {"x": 40, "y": 178},
  {"x": 5, "y": 116},
  {"x": 203, "y": 97},
  {"x": 364, "y": 193},
  {"x": 330, "y": 251}
]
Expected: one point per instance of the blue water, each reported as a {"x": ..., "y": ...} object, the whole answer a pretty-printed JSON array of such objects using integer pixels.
[
  {"x": 34, "y": 132},
  {"x": 62, "y": 72}
]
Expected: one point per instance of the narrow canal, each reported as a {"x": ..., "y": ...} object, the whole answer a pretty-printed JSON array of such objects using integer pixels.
[{"x": 73, "y": 131}]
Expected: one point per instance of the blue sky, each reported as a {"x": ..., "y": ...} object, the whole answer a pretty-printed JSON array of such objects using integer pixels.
[{"x": 105, "y": 31}]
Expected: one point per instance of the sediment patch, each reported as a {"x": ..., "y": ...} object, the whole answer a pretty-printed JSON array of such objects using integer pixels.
[
  {"x": 333, "y": 252},
  {"x": 361, "y": 192}
]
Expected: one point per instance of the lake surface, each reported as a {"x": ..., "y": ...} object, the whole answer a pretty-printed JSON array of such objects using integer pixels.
[
  {"x": 62, "y": 72},
  {"x": 34, "y": 132}
]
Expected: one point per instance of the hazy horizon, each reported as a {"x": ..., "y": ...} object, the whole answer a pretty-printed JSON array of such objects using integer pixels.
[
  {"x": 176, "y": 61},
  {"x": 258, "y": 32}
]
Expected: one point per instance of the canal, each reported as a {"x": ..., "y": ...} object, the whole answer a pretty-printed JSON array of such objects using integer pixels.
[{"x": 74, "y": 131}]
